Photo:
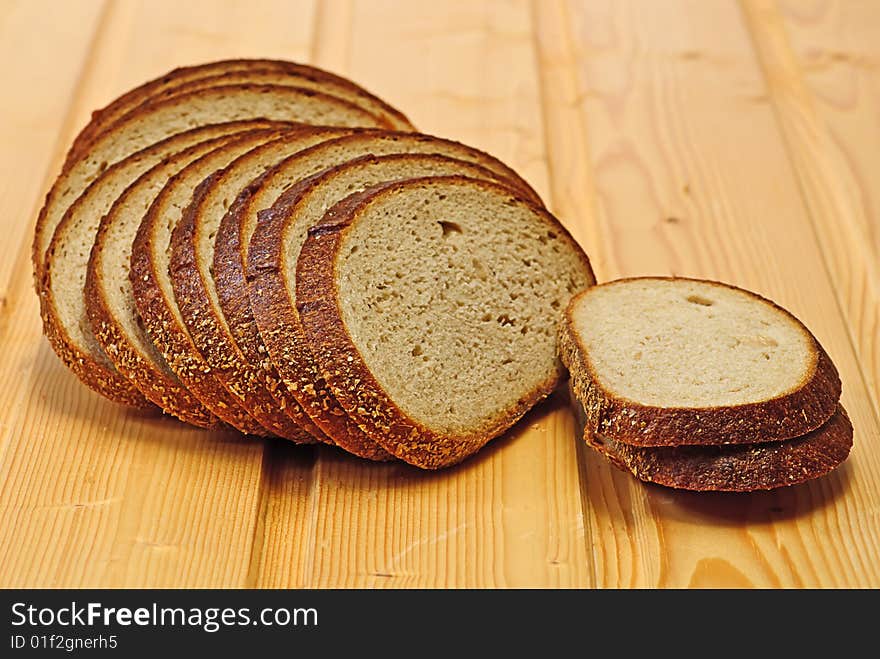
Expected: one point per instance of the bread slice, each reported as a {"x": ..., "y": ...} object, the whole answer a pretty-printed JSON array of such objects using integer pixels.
[
  {"x": 730, "y": 468},
  {"x": 155, "y": 121},
  {"x": 252, "y": 71},
  {"x": 109, "y": 297},
  {"x": 278, "y": 240},
  {"x": 192, "y": 259},
  {"x": 669, "y": 361},
  {"x": 237, "y": 226},
  {"x": 431, "y": 306},
  {"x": 65, "y": 320},
  {"x": 151, "y": 279}
]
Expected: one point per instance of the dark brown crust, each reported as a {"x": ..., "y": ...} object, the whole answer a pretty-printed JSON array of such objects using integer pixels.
[
  {"x": 341, "y": 363},
  {"x": 286, "y": 343},
  {"x": 160, "y": 322},
  {"x": 231, "y": 286},
  {"x": 231, "y": 254},
  {"x": 731, "y": 468},
  {"x": 158, "y": 386},
  {"x": 98, "y": 377},
  {"x": 180, "y": 77},
  {"x": 275, "y": 316},
  {"x": 148, "y": 108},
  {"x": 248, "y": 381},
  {"x": 101, "y": 375},
  {"x": 791, "y": 415}
]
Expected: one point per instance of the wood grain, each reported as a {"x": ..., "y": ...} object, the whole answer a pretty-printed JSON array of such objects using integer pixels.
[
  {"x": 694, "y": 137},
  {"x": 34, "y": 130},
  {"x": 93, "y": 494},
  {"x": 511, "y": 516},
  {"x": 693, "y": 178},
  {"x": 832, "y": 140}
]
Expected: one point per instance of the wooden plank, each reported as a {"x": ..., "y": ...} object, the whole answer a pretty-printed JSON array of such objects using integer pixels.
[
  {"x": 510, "y": 516},
  {"x": 43, "y": 83},
  {"x": 692, "y": 178},
  {"x": 93, "y": 495},
  {"x": 825, "y": 85}
]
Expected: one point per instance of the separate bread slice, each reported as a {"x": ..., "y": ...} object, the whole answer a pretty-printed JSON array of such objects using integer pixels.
[
  {"x": 192, "y": 261},
  {"x": 151, "y": 278},
  {"x": 109, "y": 295},
  {"x": 277, "y": 241},
  {"x": 155, "y": 121},
  {"x": 64, "y": 314},
  {"x": 670, "y": 361},
  {"x": 200, "y": 76},
  {"x": 431, "y": 306},
  {"x": 237, "y": 227},
  {"x": 732, "y": 467}
]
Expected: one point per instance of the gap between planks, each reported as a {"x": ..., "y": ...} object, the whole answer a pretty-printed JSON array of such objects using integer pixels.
[{"x": 837, "y": 220}]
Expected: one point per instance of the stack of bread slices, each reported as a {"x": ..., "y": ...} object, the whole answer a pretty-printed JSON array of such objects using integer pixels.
[
  {"x": 265, "y": 246},
  {"x": 702, "y": 386}
]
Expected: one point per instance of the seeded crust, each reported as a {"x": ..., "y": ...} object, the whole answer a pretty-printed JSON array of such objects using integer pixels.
[
  {"x": 135, "y": 356},
  {"x": 790, "y": 415},
  {"x": 189, "y": 78},
  {"x": 273, "y": 305},
  {"x": 731, "y": 468},
  {"x": 157, "y": 120},
  {"x": 233, "y": 238},
  {"x": 251, "y": 381},
  {"x": 231, "y": 287},
  {"x": 74, "y": 235},
  {"x": 158, "y": 307},
  {"x": 341, "y": 363}
]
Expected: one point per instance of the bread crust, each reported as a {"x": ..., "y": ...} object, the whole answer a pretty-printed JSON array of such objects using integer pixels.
[
  {"x": 286, "y": 342},
  {"x": 731, "y": 468},
  {"x": 230, "y": 256},
  {"x": 42, "y": 231},
  {"x": 232, "y": 249},
  {"x": 792, "y": 414},
  {"x": 275, "y": 315},
  {"x": 155, "y": 309},
  {"x": 340, "y": 361},
  {"x": 250, "y": 381},
  {"x": 175, "y": 80},
  {"x": 159, "y": 386},
  {"x": 98, "y": 371}
]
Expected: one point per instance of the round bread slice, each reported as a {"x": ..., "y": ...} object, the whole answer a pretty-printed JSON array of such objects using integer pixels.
[
  {"x": 277, "y": 241},
  {"x": 64, "y": 314},
  {"x": 237, "y": 226},
  {"x": 431, "y": 304},
  {"x": 192, "y": 261},
  {"x": 151, "y": 278},
  {"x": 669, "y": 361},
  {"x": 731, "y": 468},
  {"x": 155, "y": 121},
  {"x": 109, "y": 296},
  {"x": 252, "y": 71}
]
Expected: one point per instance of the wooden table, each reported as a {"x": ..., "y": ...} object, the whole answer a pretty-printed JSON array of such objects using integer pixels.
[{"x": 737, "y": 141}]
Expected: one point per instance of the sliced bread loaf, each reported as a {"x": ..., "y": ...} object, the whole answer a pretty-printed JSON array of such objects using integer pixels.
[
  {"x": 278, "y": 240},
  {"x": 734, "y": 467},
  {"x": 226, "y": 72},
  {"x": 155, "y": 121},
  {"x": 192, "y": 261},
  {"x": 151, "y": 279},
  {"x": 431, "y": 305},
  {"x": 109, "y": 296},
  {"x": 661, "y": 361},
  {"x": 63, "y": 310},
  {"x": 237, "y": 226}
]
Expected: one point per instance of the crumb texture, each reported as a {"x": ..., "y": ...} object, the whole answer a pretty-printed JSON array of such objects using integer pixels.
[
  {"x": 684, "y": 343},
  {"x": 452, "y": 295}
]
